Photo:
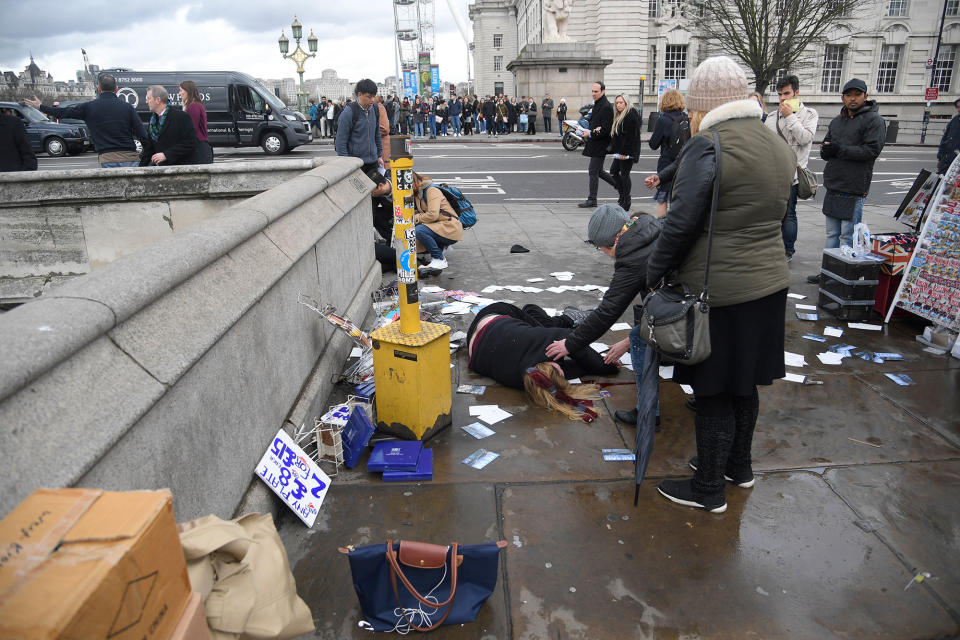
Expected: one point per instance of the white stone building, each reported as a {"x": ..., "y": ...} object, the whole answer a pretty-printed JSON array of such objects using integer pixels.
[{"x": 887, "y": 44}]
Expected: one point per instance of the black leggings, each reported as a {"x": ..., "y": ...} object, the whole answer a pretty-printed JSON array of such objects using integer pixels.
[{"x": 620, "y": 170}]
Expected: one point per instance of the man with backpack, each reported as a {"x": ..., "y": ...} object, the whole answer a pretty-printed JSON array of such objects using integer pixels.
[
  {"x": 796, "y": 123},
  {"x": 669, "y": 135},
  {"x": 358, "y": 128},
  {"x": 312, "y": 114}
]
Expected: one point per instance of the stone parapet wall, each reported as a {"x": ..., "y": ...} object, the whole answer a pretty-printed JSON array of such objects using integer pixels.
[{"x": 174, "y": 366}]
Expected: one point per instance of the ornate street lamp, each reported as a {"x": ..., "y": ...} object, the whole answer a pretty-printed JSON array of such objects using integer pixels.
[{"x": 299, "y": 56}]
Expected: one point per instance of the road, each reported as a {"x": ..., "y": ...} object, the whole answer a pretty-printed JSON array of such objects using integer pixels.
[{"x": 519, "y": 172}]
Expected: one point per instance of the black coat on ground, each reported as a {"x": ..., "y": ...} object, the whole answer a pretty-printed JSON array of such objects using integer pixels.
[
  {"x": 16, "y": 154},
  {"x": 856, "y": 139},
  {"x": 628, "y": 285},
  {"x": 601, "y": 116},
  {"x": 509, "y": 346},
  {"x": 177, "y": 141}
]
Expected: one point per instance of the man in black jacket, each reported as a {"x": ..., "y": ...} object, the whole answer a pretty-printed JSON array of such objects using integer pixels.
[
  {"x": 489, "y": 111},
  {"x": 598, "y": 137},
  {"x": 950, "y": 143},
  {"x": 113, "y": 123},
  {"x": 853, "y": 141},
  {"x": 16, "y": 154},
  {"x": 171, "y": 136},
  {"x": 629, "y": 241}
]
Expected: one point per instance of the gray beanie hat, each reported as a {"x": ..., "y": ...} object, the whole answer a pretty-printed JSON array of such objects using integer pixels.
[
  {"x": 716, "y": 81},
  {"x": 605, "y": 224}
]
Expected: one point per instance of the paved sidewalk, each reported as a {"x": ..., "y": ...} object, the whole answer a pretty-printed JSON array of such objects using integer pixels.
[{"x": 857, "y": 487}]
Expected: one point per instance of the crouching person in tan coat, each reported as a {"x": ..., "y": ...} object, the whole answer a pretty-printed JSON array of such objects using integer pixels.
[{"x": 436, "y": 223}]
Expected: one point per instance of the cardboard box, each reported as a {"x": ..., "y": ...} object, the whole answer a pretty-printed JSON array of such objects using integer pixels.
[
  {"x": 193, "y": 622},
  {"x": 896, "y": 256},
  {"x": 83, "y": 563}
]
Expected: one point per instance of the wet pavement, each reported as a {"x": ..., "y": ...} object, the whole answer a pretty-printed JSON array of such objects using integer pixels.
[{"x": 857, "y": 486}]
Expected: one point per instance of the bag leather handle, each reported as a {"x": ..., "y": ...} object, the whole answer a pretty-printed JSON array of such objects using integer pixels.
[
  {"x": 395, "y": 571},
  {"x": 713, "y": 215}
]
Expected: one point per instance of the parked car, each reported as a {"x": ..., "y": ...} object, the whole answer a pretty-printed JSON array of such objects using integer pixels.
[{"x": 55, "y": 138}]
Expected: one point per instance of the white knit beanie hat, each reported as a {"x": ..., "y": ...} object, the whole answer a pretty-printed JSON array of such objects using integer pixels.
[{"x": 716, "y": 81}]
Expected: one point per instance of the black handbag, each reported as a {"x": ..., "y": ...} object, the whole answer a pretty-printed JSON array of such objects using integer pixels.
[{"x": 674, "y": 321}]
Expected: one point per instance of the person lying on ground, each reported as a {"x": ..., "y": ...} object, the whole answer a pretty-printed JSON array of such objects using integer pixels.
[
  {"x": 629, "y": 241},
  {"x": 507, "y": 344}
]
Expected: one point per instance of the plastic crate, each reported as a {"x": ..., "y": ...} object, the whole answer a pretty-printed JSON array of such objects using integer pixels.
[
  {"x": 845, "y": 309},
  {"x": 848, "y": 289},
  {"x": 850, "y": 269}
]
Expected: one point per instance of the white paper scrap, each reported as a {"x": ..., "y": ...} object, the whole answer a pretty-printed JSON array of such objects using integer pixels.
[
  {"x": 666, "y": 372},
  {"x": 867, "y": 327},
  {"x": 687, "y": 389},
  {"x": 489, "y": 413},
  {"x": 456, "y": 308},
  {"x": 431, "y": 288},
  {"x": 807, "y": 307},
  {"x": 793, "y": 359},
  {"x": 835, "y": 332},
  {"x": 621, "y": 326},
  {"x": 490, "y": 289},
  {"x": 477, "y": 300},
  {"x": 794, "y": 377},
  {"x": 550, "y": 311},
  {"x": 575, "y": 381},
  {"x": 531, "y": 289},
  {"x": 599, "y": 347},
  {"x": 563, "y": 275},
  {"x": 796, "y": 296},
  {"x": 356, "y": 352},
  {"x": 830, "y": 358},
  {"x": 534, "y": 279},
  {"x": 556, "y": 289},
  {"x": 626, "y": 359}
]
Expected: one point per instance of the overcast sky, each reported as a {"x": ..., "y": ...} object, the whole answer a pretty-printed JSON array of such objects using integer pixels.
[{"x": 214, "y": 35}]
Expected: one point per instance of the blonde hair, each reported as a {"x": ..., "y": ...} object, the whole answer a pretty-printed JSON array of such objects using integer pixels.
[
  {"x": 618, "y": 117},
  {"x": 695, "y": 118},
  {"x": 672, "y": 100},
  {"x": 543, "y": 398}
]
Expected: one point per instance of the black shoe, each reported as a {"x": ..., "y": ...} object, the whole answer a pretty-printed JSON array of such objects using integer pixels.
[
  {"x": 743, "y": 481},
  {"x": 681, "y": 492},
  {"x": 576, "y": 316},
  {"x": 814, "y": 279},
  {"x": 626, "y": 417},
  {"x": 587, "y": 204},
  {"x": 691, "y": 404}
]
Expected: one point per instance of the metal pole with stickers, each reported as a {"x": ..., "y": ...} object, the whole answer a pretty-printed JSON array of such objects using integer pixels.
[{"x": 411, "y": 358}]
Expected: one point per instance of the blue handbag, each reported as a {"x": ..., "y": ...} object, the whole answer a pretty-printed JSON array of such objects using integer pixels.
[{"x": 416, "y": 585}]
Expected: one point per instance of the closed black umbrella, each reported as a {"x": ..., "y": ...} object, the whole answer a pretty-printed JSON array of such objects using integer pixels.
[{"x": 647, "y": 397}]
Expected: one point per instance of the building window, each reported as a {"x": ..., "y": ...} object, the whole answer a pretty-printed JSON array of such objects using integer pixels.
[
  {"x": 675, "y": 62},
  {"x": 832, "y": 68},
  {"x": 498, "y": 63},
  {"x": 897, "y": 8},
  {"x": 953, "y": 7},
  {"x": 887, "y": 73},
  {"x": 943, "y": 74},
  {"x": 653, "y": 69},
  {"x": 497, "y": 40},
  {"x": 779, "y": 75},
  {"x": 653, "y": 9},
  {"x": 498, "y": 88}
]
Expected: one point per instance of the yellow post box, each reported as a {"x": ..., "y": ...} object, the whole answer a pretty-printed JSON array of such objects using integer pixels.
[{"x": 411, "y": 358}]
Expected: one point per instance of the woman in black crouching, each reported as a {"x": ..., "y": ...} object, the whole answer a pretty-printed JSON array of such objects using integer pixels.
[{"x": 509, "y": 345}]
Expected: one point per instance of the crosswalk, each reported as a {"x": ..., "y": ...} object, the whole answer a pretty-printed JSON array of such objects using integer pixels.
[{"x": 486, "y": 185}]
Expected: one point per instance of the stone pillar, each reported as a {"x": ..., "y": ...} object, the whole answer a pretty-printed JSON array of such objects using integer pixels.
[{"x": 562, "y": 69}]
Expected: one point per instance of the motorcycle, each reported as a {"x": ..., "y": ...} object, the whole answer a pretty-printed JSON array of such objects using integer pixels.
[{"x": 573, "y": 130}]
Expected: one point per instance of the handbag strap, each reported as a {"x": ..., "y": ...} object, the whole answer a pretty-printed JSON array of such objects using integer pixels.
[
  {"x": 396, "y": 571},
  {"x": 713, "y": 214}
]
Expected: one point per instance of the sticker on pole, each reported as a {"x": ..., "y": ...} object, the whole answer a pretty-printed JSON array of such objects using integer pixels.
[
  {"x": 294, "y": 476},
  {"x": 405, "y": 179},
  {"x": 407, "y": 267},
  {"x": 397, "y": 213}
]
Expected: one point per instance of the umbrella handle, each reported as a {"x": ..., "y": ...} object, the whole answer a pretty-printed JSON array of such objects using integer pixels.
[{"x": 636, "y": 495}]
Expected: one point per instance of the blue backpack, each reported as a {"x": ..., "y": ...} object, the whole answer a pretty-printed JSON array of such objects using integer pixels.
[{"x": 465, "y": 211}]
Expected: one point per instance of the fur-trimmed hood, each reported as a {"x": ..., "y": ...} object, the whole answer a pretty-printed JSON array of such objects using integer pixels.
[{"x": 730, "y": 111}]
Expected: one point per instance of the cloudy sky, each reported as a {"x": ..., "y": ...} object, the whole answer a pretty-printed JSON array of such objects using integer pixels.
[{"x": 356, "y": 38}]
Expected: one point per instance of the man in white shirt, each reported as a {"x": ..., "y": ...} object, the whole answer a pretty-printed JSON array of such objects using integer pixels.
[{"x": 796, "y": 123}]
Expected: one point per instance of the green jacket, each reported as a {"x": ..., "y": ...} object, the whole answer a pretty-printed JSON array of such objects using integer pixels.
[{"x": 756, "y": 173}]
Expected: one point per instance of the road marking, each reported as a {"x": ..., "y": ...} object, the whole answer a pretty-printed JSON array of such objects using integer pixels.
[{"x": 477, "y": 186}]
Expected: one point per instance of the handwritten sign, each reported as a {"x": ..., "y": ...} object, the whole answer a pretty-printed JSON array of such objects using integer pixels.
[{"x": 293, "y": 476}]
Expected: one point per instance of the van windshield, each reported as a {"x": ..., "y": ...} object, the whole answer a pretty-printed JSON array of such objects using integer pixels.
[{"x": 275, "y": 103}]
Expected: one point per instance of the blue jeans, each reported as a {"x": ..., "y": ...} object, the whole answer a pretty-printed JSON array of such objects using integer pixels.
[
  {"x": 432, "y": 242},
  {"x": 433, "y": 125},
  {"x": 418, "y": 128},
  {"x": 443, "y": 127},
  {"x": 788, "y": 228},
  {"x": 840, "y": 232},
  {"x": 638, "y": 350},
  {"x": 455, "y": 121},
  {"x": 114, "y": 165}
]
